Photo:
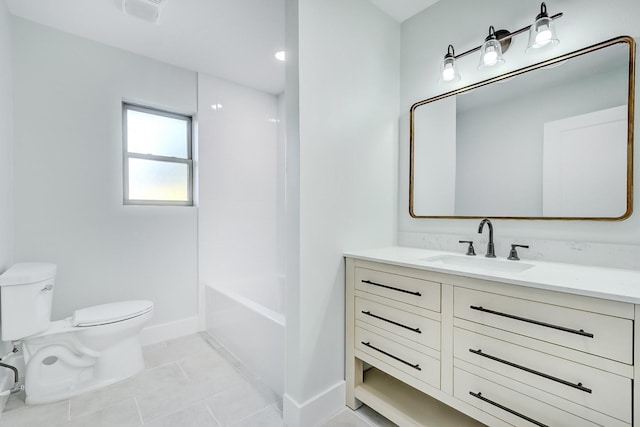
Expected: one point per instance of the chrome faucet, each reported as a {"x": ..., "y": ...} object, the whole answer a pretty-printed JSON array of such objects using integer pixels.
[{"x": 491, "y": 252}]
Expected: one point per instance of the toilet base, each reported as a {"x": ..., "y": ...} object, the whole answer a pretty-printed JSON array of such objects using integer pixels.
[
  {"x": 112, "y": 366},
  {"x": 57, "y": 372}
]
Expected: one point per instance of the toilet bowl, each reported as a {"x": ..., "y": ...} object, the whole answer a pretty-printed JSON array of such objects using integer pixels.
[{"x": 93, "y": 348}]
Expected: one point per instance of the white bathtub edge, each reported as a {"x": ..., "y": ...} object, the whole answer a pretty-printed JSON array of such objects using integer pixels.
[
  {"x": 252, "y": 305},
  {"x": 170, "y": 330},
  {"x": 315, "y": 410}
]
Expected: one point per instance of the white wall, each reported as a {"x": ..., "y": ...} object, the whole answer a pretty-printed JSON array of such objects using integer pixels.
[
  {"x": 464, "y": 23},
  {"x": 6, "y": 165},
  {"x": 238, "y": 170},
  {"x": 68, "y": 175},
  {"x": 348, "y": 89},
  {"x": 6, "y": 142}
]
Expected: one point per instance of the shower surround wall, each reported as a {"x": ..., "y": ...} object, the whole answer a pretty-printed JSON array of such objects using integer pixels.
[
  {"x": 241, "y": 178},
  {"x": 425, "y": 38}
]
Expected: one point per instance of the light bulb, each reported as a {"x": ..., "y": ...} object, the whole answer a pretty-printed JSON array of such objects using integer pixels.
[
  {"x": 543, "y": 37},
  {"x": 448, "y": 73},
  {"x": 490, "y": 57}
]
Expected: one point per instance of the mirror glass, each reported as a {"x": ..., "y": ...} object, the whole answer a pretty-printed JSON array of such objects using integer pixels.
[{"x": 549, "y": 141}]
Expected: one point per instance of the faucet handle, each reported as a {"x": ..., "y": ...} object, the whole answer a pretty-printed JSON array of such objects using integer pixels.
[
  {"x": 513, "y": 253},
  {"x": 470, "y": 250}
]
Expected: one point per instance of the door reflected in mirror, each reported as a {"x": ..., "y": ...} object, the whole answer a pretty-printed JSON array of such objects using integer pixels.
[{"x": 550, "y": 141}]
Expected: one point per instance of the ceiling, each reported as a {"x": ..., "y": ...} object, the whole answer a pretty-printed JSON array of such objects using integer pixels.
[
  {"x": 401, "y": 10},
  {"x": 231, "y": 39}
]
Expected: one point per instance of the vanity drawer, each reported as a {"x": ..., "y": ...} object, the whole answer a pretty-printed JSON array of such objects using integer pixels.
[
  {"x": 415, "y": 363},
  {"x": 407, "y": 325},
  {"x": 590, "y": 387},
  {"x": 598, "y": 334},
  {"x": 509, "y": 405},
  {"x": 410, "y": 290}
]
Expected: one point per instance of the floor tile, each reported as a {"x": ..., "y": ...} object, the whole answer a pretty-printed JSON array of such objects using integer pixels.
[
  {"x": 236, "y": 403},
  {"x": 206, "y": 365},
  {"x": 373, "y": 417},
  {"x": 174, "y": 350},
  {"x": 192, "y": 381},
  {"x": 193, "y": 416},
  {"x": 162, "y": 401},
  {"x": 15, "y": 401},
  {"x": 162, "y": 377},
  {"x": 123, "y": 414},
  {"x": 346, "y": 418},
  {"x": 269, "y": 417},
  {"x": 211, "y": 340},
  {"x": 50, "y": 414}
]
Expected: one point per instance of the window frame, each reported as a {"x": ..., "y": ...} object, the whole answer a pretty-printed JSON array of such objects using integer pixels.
[{"x": 126, "y": 155}]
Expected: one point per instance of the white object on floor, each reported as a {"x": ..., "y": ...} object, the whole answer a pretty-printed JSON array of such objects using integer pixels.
[{"x": 95, "y": 347}]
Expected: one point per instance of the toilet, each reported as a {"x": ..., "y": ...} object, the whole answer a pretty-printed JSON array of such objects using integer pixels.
[{"x": 93, "y": 348}]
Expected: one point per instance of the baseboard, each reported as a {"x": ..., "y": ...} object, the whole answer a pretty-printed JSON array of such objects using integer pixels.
[
  {"x": 170, "y": 330},
  {"x": 315, "y": 410}
]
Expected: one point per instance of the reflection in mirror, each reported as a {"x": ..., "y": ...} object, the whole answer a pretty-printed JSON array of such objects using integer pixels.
[{"x": 550, "y": 141}]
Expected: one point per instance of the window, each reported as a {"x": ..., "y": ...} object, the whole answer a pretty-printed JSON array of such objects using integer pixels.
[{"x": 158, "y": 167}]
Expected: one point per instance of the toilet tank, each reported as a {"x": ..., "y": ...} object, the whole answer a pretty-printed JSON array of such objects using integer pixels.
[{"x": 26, "y": 295}]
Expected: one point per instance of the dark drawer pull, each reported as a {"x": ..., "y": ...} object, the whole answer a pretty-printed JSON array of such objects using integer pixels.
[
  {"x": 579, "y": 386},
  {"x": 369, "y": 282},
  {"x": 368, "y": 313},
  {"x": 504, "y": 408},
  {"x": 416, "y": 366},
  {"x": 535, "y": 322}
]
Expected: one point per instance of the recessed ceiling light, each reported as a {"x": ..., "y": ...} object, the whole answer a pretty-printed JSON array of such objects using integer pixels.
[
  {"x": 280, "y": 55},
  {"x": 216, "y": 106}
]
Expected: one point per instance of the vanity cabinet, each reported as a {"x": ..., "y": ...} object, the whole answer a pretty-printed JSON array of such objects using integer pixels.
[
  {"x": 430, "y": 348},
  {"x": 397, "y": 321}
]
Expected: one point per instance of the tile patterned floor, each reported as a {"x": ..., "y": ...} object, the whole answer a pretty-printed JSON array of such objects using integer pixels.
[{"x": 188, "y": 382}]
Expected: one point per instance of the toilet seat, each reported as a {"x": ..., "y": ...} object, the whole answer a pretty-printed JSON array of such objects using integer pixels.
[{"x": 110, "y": 313}]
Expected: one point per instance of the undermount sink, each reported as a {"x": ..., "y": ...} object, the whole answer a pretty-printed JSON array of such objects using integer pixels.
[{"x": 479, "y": 263}]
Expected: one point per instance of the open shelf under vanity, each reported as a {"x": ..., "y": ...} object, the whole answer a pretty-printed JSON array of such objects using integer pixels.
[{"x": 404, "y": 405}]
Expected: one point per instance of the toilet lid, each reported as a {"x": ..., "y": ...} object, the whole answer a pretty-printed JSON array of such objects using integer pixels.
[
  {"x": 110, "y": 313},
  {"x": 27, "y": 272}
]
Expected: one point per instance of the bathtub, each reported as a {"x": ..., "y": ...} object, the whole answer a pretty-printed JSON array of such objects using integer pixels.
[{"x": 247, "y": 317}]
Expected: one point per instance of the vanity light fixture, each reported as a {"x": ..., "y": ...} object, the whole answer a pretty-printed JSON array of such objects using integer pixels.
[
  {"x": 448, "y": 69},
  {"x": 491, "y": 50},
  {"x": 541, "y": 33}
]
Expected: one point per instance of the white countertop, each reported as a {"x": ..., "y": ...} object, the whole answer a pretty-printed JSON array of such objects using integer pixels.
[{"x": 601, "y": 282}]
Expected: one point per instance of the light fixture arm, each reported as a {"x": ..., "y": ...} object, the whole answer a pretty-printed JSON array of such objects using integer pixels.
[
  {"x": 502, "y": 37},
  {"x": 451, "y": 53}
]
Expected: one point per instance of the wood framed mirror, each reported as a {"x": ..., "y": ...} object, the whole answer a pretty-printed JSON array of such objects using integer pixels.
[{"x": 551, "y": 141}]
